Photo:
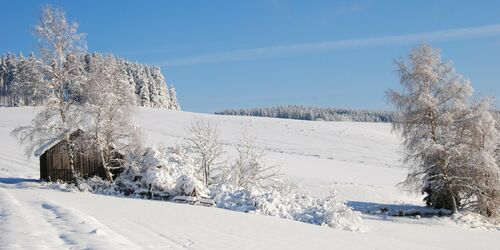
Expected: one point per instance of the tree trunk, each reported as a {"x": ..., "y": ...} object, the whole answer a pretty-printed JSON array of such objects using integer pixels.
[
  {"x": 204, "y": 171},
  {"x": 453, "y": 201},
  {"x": 71, "y": 153},
  {"x": 206, "y": 177},
  {"x": 107, "y": 170}
]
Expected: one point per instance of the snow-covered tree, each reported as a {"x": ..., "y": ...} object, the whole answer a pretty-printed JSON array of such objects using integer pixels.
[
  {"x": 8, "y": 71},
  {"x": 443, "y": 134},
  {"x": 160, "y": 95},
  {"x": 109, "y": 103},
  {"x": 204, "y": 142},
  {"x": 15, "y": 83},
  {"x": 142, "y": 87},
  {"x": 60, "y": 46},
  {"x": 24, "y": 87},
  {"x": 174, "y": 103},
  {"x": 476, "y": 141},
  {"x": 3, "y": 73}
]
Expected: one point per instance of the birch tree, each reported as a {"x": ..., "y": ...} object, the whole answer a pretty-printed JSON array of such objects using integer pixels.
[
  {"x": 449, "y": 143},
  {"x": 109, "y": 102},
  {"x": 60, "y": 46}
]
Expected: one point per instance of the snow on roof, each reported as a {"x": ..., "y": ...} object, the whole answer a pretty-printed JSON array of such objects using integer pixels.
[
  {"x": 52, "y": 142},
  {"x": 46, "y": 146}
]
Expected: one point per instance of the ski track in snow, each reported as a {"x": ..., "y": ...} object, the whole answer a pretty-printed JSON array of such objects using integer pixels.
[
  {"x": 23, "y": 227},
  {"x": 35, "y": 224},
  {"x": 359, "y": 160}
]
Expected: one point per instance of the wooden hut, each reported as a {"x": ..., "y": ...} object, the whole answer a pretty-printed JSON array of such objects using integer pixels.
[{"x": 54, "y": 160}]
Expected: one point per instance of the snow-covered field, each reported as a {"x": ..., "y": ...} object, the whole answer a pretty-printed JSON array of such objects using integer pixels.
[{"x": 359, "y": 160}]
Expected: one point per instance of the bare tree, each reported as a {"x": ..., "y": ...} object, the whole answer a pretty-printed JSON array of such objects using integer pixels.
[
  {"x": 249, "y": 169},
  {"x": 204, "y": 142},
  {"x": 60, "y": 46}
]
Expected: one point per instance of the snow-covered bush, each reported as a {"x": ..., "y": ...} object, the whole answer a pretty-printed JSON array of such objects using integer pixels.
[
  {"x": 165, "y": 170},
  {"x": 98, "y": 185},
  {"x": 289, "y": 204}
]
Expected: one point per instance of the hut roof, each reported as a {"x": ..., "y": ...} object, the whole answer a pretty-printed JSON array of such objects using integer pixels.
[{"x": 54, "y": 141}]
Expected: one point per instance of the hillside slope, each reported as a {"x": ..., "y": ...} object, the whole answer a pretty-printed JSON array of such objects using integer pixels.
[{"x": 359, "y": 160}]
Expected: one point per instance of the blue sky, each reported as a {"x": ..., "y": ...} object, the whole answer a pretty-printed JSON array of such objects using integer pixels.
[{"x": 234, "y": 54}]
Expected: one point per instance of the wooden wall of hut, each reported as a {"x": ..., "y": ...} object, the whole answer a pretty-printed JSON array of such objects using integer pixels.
[{"x": 54, "y": 164}]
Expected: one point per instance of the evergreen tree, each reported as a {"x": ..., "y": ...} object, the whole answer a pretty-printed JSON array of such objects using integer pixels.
[
  {"x": 150, "y": 87},
  {"x": 161, "y": 94},
  {"x": 25, "y": 89},
  {"x": 314, "y": 113},
  {"x": 174, "y": 104},
  {"x": 142, "y": 86}
]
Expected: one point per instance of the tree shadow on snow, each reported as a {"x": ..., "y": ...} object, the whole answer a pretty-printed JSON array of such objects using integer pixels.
[
  {"x": 14, "y": 180},
  {"x": 396, "y": 209}
]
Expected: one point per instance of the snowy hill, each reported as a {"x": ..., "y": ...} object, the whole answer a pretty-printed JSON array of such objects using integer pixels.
[{"x": 359, "y": 160}]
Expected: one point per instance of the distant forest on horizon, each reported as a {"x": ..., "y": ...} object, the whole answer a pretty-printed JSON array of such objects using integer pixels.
[{"x": 311, "y": 113}]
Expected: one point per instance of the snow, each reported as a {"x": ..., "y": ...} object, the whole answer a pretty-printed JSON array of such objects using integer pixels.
[
  {"x": 359, "y": 160},
  {"x": 330, "y": 211}
]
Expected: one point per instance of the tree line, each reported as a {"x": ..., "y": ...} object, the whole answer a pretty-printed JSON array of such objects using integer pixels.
[
  {"x": 300, "y": 112},
  {"x": 18, "y": 72}
]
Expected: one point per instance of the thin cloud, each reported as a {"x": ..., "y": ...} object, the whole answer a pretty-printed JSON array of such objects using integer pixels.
[
  {"x": 347, "y": 8},
  {"x": 283, "y": 50}
]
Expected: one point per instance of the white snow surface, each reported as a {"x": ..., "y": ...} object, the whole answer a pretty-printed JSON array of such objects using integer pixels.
[{"x": 359, "y": 160}]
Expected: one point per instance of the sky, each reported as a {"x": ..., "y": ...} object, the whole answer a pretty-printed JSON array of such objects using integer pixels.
[{"x": 242, "y": 54}]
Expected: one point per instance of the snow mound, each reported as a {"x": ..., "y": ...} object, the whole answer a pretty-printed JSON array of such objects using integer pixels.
[
  {"x": 474, "y": 220},
  {"x": 330, "y": 211}
]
